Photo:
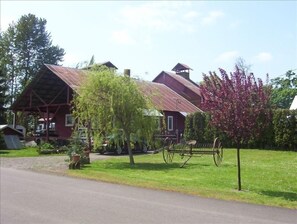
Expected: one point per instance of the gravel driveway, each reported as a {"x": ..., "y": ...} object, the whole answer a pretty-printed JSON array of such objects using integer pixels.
[{"x": 56, "y": 164}]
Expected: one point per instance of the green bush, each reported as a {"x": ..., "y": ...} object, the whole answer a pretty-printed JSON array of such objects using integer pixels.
[
  {"x": 2, "y": 142},
  {"x": 48, "y": 148},
  {"x": 196, "y": 125},
  {"x": 280, "y": 132},
  {"x": 285, "y": 128}
]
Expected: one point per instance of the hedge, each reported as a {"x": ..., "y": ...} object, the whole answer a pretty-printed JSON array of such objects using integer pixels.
[{"x": 280, "y": 132}]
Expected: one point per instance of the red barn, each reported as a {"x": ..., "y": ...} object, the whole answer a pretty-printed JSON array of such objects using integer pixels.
[
  {"x": 50, "y": 93},
  {"x": 181, "y": 83}
]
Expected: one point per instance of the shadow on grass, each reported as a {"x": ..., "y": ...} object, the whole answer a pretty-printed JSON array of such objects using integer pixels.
[
  {"x": 289, "y": 196},
  {"x": 139, "y": 166}
]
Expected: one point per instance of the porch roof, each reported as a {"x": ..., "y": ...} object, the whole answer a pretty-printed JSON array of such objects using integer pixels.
[{"x": 50, "y": 87}]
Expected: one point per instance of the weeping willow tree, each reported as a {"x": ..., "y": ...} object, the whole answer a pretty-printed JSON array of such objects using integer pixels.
[{"x": 107, "y": 102}]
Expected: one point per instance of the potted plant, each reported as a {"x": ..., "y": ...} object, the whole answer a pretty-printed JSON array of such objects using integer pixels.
[{"x": 75, "y": 151}]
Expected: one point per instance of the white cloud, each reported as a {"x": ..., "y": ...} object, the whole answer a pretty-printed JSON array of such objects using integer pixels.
[
  {"x": 149, "y": 15},
  {"x": 142, "y": 22},
  {"x": 191, "y": 15},
  {"x": 122, "y": 37},
  {"x": 228, "y": 56},
  {"x": 157, "y": 16},
  {"x": 263, "y": 57},
  {"x": 212, "y": 17}
]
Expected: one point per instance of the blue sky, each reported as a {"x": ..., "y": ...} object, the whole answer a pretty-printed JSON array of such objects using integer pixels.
[{"x": 151, "y": 36}]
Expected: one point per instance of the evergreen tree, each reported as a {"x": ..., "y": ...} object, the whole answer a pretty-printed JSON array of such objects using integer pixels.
[
  {"x": 3, "y": 97},
  {"x": 25, "y": 47}
]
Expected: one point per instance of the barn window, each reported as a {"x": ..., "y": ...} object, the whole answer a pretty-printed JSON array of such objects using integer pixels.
[
  {"x": 170, "y": 123},
  {"x": 69, "y": 120}
]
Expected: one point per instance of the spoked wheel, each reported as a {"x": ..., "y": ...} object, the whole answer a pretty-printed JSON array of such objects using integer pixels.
[
  {"x": 168, "y": 153},
  {"x": 217, "y": 152},
  {"x": 185, "y": 154}
]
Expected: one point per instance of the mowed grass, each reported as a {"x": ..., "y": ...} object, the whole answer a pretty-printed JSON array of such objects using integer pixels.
[
  {"x": 25, "y": 152},
  {"x": 268, "y": 177}
]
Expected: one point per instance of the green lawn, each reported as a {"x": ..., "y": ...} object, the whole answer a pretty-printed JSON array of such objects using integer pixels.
[
  {"x": 25, "y": 152},
  {"x": 268, "y": 177}
]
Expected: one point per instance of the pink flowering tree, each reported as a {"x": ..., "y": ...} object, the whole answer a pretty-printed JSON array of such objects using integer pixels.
[{"x": 235, "y": 104}]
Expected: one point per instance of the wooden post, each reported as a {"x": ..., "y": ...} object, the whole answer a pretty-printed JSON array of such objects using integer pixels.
[
  {"x": 238, "y": 168},
  {"x": 47, "y": 124}
]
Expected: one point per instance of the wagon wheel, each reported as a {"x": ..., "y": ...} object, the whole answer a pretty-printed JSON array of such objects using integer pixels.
[
  {"x": 168, "y": 153},
  {"x": 185, "y": 154},
  {"x": 217, "y": 152}
]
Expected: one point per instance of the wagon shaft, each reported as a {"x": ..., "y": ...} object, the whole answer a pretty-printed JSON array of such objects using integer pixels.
[{"x": 191, "y": 149}]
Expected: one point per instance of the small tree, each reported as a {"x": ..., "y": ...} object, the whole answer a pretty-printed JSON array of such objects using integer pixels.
[
  {"x": 109, "y": 102},
  {"x": 235, "y": 104}
]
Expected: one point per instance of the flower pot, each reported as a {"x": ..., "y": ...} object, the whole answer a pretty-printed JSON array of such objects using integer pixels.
[
  {"x": 75, "y": 158},
  {"x": 87, "y": 153}
]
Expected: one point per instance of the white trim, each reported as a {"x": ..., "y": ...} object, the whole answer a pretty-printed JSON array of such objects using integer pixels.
[
  {"x": 294, "y": 104},
  {"x": 67, "y": 120},
  {"x": 184, "y": 113},
  {"x": 170, "y": 123}
]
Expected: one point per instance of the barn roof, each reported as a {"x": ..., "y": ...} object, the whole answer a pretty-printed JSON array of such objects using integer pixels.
[
  {"x": 71, "y": 76},
  {"x": 51, "y": 79},
  {"x": 187, "y": 83},
  {"x": 165, "y": 98},
  {"x": 181, "y": 67},
  {"x": 49, "y": 86}
]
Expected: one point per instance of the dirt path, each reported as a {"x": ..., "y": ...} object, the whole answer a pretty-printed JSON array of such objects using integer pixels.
[{"x": 53, "y": 164}]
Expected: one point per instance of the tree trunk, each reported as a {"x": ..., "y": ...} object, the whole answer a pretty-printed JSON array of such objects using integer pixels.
[
  {"x": 131, "y": 158},
  {"x": 89, "y": 128},
  {"x": 238, "y": 168}
]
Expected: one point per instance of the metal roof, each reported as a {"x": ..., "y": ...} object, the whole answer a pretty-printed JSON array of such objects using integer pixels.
[
  {"x": 49, "y": 86},
  {"x": 181, "y": 67},
  {"x": 166, "y": 99},
  {"x": 51, "y": 79},
  {"x": 187, "y": 83},
  {"x": 71, "y": 76}
]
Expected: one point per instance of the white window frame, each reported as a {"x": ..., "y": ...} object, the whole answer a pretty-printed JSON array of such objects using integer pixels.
[
  {"x": 170, "y": 123},
  {"x": 69, "y": 117}
]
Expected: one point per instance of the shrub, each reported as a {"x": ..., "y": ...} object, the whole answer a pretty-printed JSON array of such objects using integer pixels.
[
  {"x": 285, "y": 128},
  {"x": 2, "y": 142},
  {"x": 280, "y": 132}
]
